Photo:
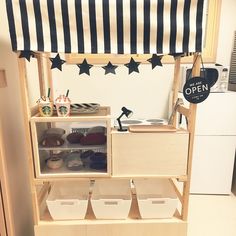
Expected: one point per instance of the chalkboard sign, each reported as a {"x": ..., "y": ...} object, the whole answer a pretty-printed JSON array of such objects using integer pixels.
[{"x": 196, "y": 89}]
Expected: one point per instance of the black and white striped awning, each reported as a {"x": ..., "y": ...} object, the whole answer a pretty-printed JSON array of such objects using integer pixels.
[{"x": 106, "y": 26}]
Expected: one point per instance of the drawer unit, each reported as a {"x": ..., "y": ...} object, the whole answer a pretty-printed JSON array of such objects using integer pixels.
[{"x": 149, "y": 154}]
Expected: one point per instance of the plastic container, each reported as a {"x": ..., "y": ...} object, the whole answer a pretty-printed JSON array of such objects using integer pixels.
[
  {"x": 68, "y": 200},
  {"x": 156, "y": 198},
  {"x": 111, "y": 199}
]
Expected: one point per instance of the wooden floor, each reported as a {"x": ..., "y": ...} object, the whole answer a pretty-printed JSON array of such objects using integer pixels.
[{"x": 212, "y": 215}]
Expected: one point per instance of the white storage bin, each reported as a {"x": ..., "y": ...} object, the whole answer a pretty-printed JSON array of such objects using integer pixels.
[
  {"x": 68, "y": 200},
  {"x": 156, "y": 198},
  {"x": 111, "y": 199}
]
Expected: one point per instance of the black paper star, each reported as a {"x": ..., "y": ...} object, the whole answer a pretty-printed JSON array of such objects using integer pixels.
[
  {"x": 57, "y": 62},
  {"x": 26, "y": 54},
  {"x": 133, "y": 66},
  {"x": 84, "y": 67},
  {"x": 155, "y": 61},
  {"x": 109, "y": 68}
]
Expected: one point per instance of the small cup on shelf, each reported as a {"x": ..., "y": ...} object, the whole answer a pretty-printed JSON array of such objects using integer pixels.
[
  {"x": 45, "y": 106},
  {"x": 63, "y": 105}
]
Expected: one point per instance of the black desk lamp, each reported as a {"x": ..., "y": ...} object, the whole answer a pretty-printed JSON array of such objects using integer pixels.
[{"x": 128, "y": 113}]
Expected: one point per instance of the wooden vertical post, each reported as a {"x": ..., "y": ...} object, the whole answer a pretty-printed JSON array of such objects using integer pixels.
[
  {"x": 26, "y": 117},
  {"x": 50, "y": 85},
  {"x": 41, "y": 74},
  {"x": 191, "y": 129},
  {"x": 49, "y": 77},
  {"x": 175, "y": 87},
  {"x": 6, "y": 220}
]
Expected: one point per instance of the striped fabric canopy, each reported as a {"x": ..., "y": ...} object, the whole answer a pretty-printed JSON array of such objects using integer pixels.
[{"x": 106, "y": 26}]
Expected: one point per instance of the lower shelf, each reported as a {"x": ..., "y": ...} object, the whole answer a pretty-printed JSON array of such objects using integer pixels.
[
  {"x": 132, "y": 226},
  {"x": 64, "y": 172}
]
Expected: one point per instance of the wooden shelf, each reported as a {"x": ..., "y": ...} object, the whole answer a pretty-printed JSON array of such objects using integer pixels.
[
  {"x": 69, "y": 146},
  {"x": 94, "y": 175},
  {"x": 180, "y": 178},
  {"x": 132, "y": 226},
  {"x": 103, "y": 112},
  {"x": 178, "y": 131},
  {"x": 65, "y": 172}
]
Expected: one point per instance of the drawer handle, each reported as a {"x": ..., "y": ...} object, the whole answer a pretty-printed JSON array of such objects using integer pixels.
[
  {"x": 158, "y": 202},
  {"x": 111, "y": 203},
  {"x": 67, "y": 203}
]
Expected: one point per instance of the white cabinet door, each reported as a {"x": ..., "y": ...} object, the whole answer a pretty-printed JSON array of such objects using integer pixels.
[
  {"x": 216, "y": 115},
  {"x": 213, "y": 161}
]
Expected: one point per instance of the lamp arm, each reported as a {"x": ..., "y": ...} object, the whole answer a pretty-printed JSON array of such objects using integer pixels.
[{"x": 119, "y": 122}]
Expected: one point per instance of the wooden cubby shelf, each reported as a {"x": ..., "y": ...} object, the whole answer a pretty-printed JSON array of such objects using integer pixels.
[
  {"x": 81, "y": 122},
  {"x": 130, "y": 155}
]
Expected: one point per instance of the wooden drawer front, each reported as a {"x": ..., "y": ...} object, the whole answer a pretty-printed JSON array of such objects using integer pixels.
[
  {"x": 139, "y": 229},
  {"x": 130, "y": 228},
  {"x": 60, "y": 230},
  {"x": 149, "y": 153}
]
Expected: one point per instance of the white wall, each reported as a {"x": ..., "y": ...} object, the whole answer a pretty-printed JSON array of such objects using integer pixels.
[
  {"x": 226, "y": 32},
  {"x": 146, "y": 93}
]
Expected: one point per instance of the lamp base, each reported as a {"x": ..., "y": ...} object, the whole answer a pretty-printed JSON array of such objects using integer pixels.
[{"x": 122, "y": 130}]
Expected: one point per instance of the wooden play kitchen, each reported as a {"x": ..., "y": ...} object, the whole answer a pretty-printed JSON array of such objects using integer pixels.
[
  {"x": 141, "y": 184},
  {"x": 163, "y": 156}
]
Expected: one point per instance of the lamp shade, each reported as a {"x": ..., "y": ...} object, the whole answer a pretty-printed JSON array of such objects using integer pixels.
[{"x": 127, "y": 112}]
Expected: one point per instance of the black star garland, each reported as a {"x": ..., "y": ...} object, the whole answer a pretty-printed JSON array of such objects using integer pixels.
[
  {"x": 84, "y": 67},
  {"x": 26, "y": 54},
  {"x": 57, "y": 62},
  {"x": 155, "y": 60},
  {"x": 109, "y": 68},
  {"x": 133, "y": 66}
]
